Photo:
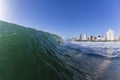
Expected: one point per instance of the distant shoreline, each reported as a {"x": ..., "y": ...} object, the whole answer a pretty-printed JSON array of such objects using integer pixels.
[{"x": 94, "y": 41}]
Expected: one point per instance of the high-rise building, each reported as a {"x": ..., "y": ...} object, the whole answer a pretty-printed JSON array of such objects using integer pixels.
[
  {"x": 110, "y": 35},
  {"x": 91, "y": 38},
  {"x": 117, "y": 37},
  {"x": 84, "y": 37},
  {"x": 80, "y": 37}
]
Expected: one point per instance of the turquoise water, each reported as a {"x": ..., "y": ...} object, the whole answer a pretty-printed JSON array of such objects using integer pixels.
[{"x": 29, "y": 54}]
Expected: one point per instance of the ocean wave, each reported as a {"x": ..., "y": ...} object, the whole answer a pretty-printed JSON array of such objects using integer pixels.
[{"x": 29, "y": 54}]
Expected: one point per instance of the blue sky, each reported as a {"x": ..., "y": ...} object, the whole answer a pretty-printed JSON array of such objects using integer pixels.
[{"x": 66, "y": 18}]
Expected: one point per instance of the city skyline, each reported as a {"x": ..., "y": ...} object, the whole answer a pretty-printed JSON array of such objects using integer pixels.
[{"x": 110, "y": 36}]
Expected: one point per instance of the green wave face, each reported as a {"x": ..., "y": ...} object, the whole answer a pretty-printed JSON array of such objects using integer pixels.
[{"x": 28, "y": 54}]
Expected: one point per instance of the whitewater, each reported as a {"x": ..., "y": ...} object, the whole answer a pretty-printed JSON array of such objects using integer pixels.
[{"x": 108, "y": 49}]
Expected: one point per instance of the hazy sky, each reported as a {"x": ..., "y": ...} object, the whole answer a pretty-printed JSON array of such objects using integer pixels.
[{"x": 64, "y": 17}]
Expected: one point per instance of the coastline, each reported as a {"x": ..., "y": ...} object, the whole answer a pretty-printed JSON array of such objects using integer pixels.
[{"x": 93, "y": 41}]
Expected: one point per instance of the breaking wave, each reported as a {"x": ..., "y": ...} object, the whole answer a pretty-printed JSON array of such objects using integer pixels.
[{"x": 29, "y": 54}]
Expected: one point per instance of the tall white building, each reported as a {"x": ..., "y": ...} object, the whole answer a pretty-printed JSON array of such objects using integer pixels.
[
  {"x": 84, "y": 37},
  {"x": 110, "y": 35}
]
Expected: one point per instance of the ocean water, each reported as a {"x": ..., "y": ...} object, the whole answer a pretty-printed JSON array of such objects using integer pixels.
[
  {"x": 100, "y": 59},
  {"x": 29, "y": 54}
]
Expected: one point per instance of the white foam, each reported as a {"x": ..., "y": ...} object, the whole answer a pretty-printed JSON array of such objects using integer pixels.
[{"x": 102, "y": 48}]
